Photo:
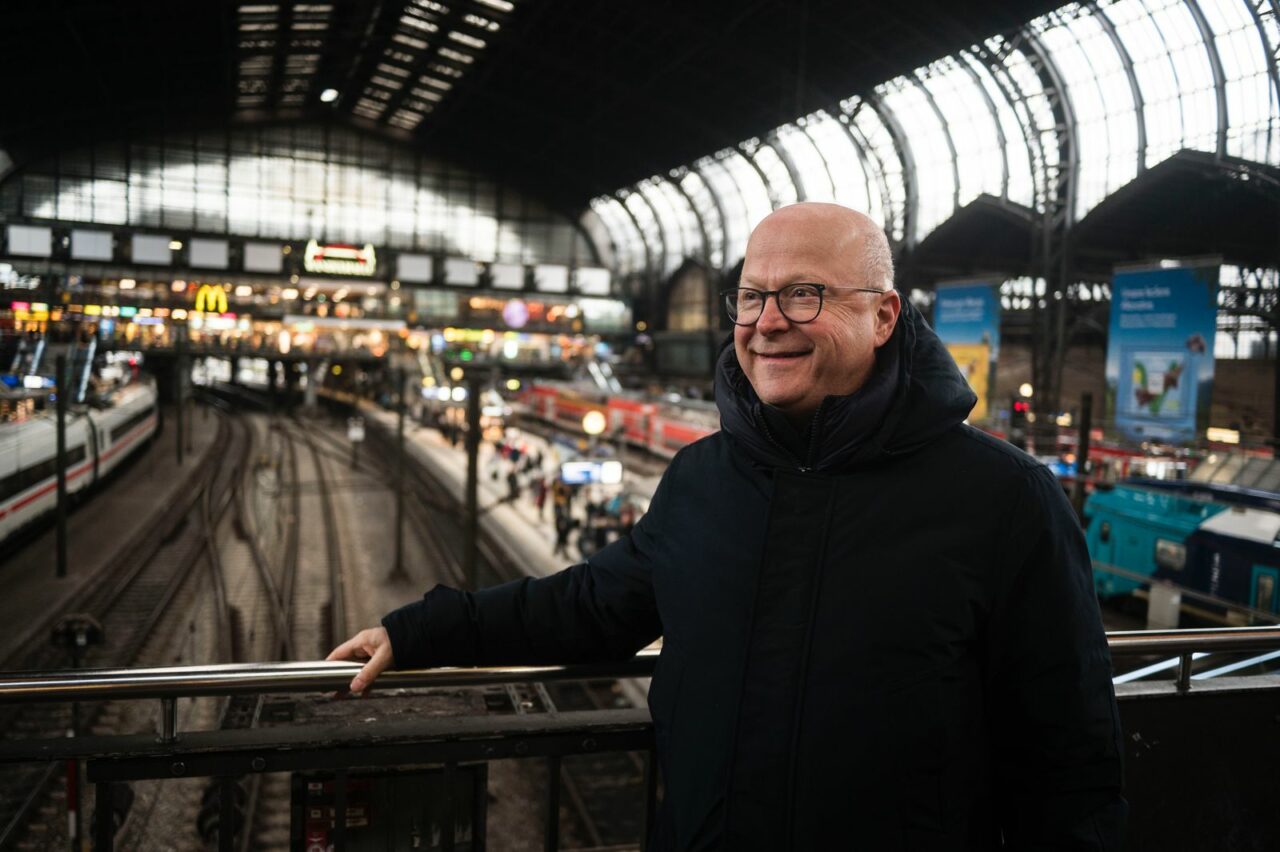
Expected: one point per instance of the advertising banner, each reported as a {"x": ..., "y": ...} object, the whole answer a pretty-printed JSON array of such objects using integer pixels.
[
  {"x": 1160, "y": 351},
  {"x": 966, "y": 316}
]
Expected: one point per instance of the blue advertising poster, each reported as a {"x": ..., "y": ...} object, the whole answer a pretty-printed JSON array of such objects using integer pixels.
[
  {"x": 1160, "y": 352},
  {"x": 966, "y": 316}
]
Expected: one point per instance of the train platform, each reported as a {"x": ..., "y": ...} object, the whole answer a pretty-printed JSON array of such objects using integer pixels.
[
  {"x": 528, "y": 534},
  {"x": 121, "y": 510}
]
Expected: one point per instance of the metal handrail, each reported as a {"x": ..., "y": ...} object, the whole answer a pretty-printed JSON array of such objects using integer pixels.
[
  {"x": 322, "y": 676},
  {"x": 170, "y": 682}
]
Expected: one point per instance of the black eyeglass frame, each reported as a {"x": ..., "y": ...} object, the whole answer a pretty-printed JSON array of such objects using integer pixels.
[{"x": 777, "y": 294}]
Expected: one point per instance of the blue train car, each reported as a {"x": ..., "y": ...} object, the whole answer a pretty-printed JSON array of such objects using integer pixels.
[
  {"x": 1141, "y": 530},
  {"x": 1217, "y": 533},
  {"x": 1235, "y": 555}
]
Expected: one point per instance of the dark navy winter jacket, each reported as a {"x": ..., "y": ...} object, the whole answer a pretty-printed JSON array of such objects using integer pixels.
[{"x": 889, "y": 644}]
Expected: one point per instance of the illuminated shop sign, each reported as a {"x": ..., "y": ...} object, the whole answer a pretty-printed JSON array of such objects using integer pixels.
[
  {"x": 211, "y": 298},
  {"x": 339, "y": 259}
]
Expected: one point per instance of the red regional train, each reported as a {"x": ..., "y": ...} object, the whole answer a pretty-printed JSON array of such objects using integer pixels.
[{"x": 660, "y": 427}]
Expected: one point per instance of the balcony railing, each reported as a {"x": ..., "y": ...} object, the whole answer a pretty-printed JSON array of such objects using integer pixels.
[{"x": 453, "y": 741}]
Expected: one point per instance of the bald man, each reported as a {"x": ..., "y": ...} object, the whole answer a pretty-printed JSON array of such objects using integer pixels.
[{"x": 879, "y": 628}]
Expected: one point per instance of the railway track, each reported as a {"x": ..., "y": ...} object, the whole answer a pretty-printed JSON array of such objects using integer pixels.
[
  {"x": 136, "y": 606},
  {"x": 605, "y": 793}
]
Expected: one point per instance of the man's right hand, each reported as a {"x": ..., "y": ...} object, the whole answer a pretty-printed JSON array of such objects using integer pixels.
[{"x": 373, "y": 645}]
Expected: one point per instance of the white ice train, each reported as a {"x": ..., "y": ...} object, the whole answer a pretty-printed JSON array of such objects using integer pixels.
[{"x": 97, "y": 441}]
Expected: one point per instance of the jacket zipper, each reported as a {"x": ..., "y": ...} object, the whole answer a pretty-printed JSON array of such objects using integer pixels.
[{"x": 813, "y": 436}]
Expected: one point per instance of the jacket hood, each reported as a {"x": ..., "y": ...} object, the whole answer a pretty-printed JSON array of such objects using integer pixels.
[{"x": 915, "y": 394}]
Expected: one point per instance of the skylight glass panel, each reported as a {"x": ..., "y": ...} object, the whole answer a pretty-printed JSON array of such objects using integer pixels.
[
  {"x": 468, "y": 40},
  {"x": 442, "y": 85},
  {"x": 1254, "y": 132},
  {"x": 257, "y": 26},
  {"x": 696, "y": 189},
  {"x": 427, "y": 94},
  {"x": 781, "y": 188},
  {"x": 848, "y": 180},
  {"x": 685, "y": 216},
  {"x": 456, "y": 55},
  {"x": 808, "y": 163},
  {"x": 628, "y": 244},
  {"x": 930, "y": 151},
  {"x": 750, "y": 186},
  {"x": 1033, "y": 108},
  {"x": 394, "y": 70},
  {"x": 313, "y": 8},
  {"x": 1102, "y": 102},
  {"x": 482, "y": 23},
  {"x": 410, "y": 41},
  {"x": 972, "y": 127},
  {"x": 399, "y": 56},
  {"x": 721, "y": 183},
  {"x": 673, "y": 235},
  {"x": 254, "y": 44},
  {"x": 873, "y": 139},
  {"x": 259, "y": 9},
  {"x": 1016, "y": 154},
  {"x": 432, "y": 6},
  {"x": 647, "y": 222},
  {"x": 308, "y": 26},
  {"x": 500, "y": 5},
  {"x": 414, "y": 22},
  {"x": 446, "y": 70},
  {"x": 1144, "y": 32}
]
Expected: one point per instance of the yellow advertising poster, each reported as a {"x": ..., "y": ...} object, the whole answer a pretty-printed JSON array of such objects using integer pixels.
[{"x": 974, "y": 361}]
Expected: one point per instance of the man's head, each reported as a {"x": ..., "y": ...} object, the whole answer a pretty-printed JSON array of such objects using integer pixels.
[{"x": 793, "y": 366}]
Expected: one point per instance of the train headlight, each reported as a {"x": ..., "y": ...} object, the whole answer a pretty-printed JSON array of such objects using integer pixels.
[{"x": 1171, "y": 554}]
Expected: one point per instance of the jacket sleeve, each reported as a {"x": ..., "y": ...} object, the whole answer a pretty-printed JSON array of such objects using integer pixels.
[
  {"x": 1055, "y": 725},
  {"x": 597, "y": 611}
]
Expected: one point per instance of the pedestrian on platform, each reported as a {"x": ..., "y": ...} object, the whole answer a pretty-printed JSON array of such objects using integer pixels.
[
  {"x": 879, "y": 624},
  {"x": 564, "y": 526},
  {"x": 539, "y": 494}
]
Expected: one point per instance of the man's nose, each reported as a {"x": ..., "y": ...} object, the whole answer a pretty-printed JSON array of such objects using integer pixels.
[{"x": 771, "y": 318}]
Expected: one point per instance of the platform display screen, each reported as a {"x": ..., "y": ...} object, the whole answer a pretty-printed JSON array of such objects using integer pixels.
[{"x": 591, "y": 472}]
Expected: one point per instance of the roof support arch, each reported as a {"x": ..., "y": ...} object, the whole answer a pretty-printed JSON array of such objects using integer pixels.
[
  {"x": 1219, "y": 77},
  {"x": 1135, "y": 90},
  {"x": 903, "y": 149},
  {"x": 946, "y": 134},
  {"x": 1264, "y": 11}
]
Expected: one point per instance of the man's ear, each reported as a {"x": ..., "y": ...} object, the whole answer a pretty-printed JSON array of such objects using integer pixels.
[{"x": 887, "y": 316}]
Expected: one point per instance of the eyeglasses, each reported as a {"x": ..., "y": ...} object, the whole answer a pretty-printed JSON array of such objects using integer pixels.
[{"x": 799, "y": 303}]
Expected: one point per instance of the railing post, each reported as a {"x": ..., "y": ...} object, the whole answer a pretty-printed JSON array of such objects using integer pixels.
[
  {"x": 551, "y": 840},
  {"x": 227, "y": 817},
  {"x": 1184, "y": 673},
  {"x": 168, "y": 720},
  {"x": 340, "y": 810},
  {"x": 447, "y": 831},
  {"x": 650, "y": 797},
  {"x": 104, "y": 819}
]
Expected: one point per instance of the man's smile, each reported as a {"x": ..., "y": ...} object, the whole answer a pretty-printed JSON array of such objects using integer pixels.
[{"x": 780, "y": 356}]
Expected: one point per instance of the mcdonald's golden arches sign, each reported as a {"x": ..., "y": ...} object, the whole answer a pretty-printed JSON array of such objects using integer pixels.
[{"x": 212, "y": 299}]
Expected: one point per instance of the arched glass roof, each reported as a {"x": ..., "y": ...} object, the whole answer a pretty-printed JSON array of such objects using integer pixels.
[{"x": 1064, "y": 112}]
